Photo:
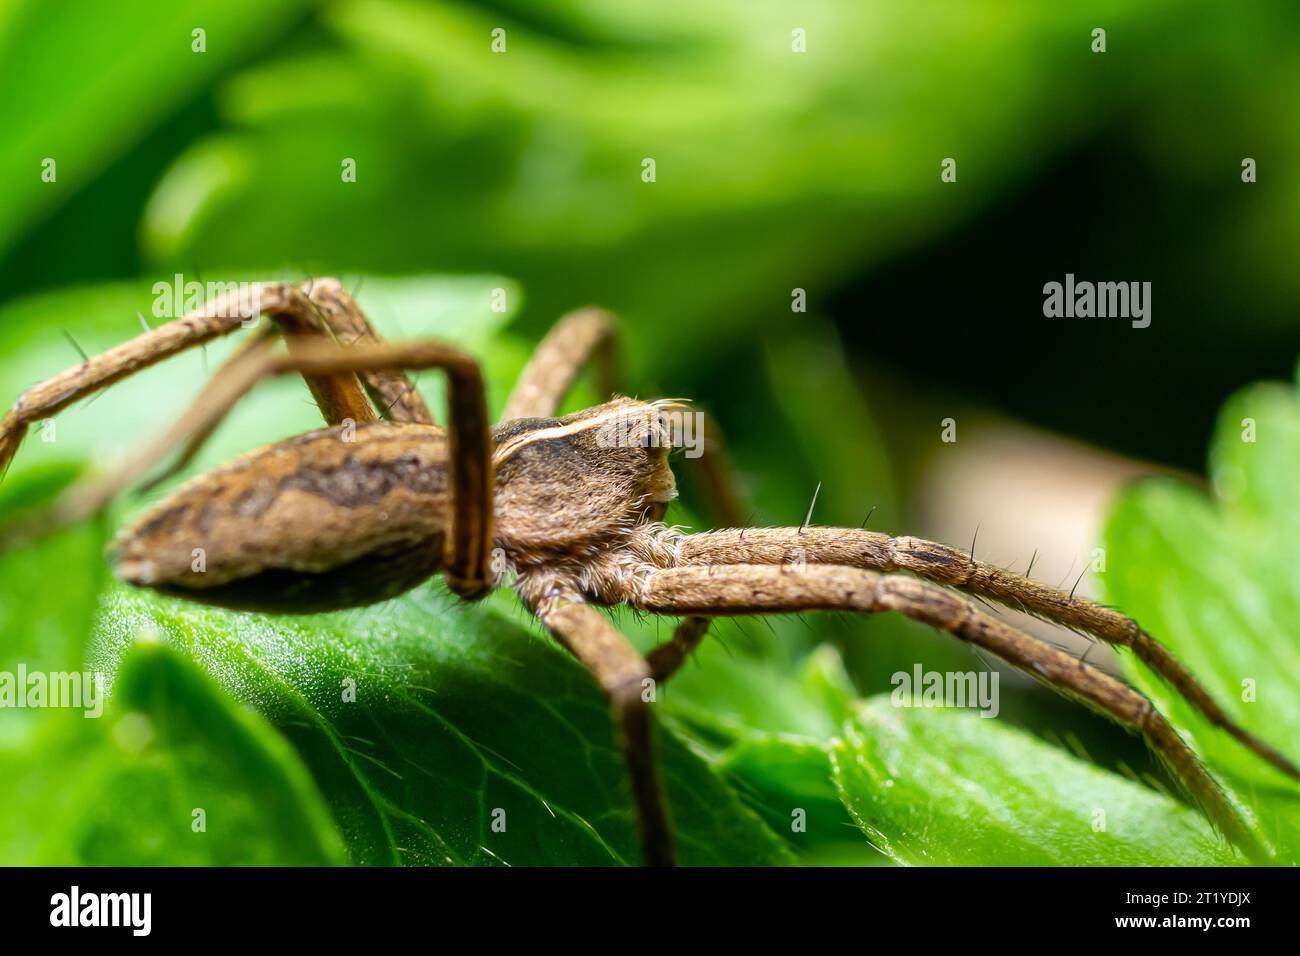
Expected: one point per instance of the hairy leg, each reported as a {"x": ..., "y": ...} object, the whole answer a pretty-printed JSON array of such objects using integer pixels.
[
  {"x": 948, "y": 566},
  {"x": 392, "y": 391},
  {"x": 765, "y": 589},
  {"x": 621, "y": 671},
  {"x": 292, "y": 313},
  {"x": 90, "y": 495},
  {"x": 574, "y": 341},
  {"x": 667, "y": 659},
  {"x": 218, "y": 317},
  {"x": 339, "y": 397}
]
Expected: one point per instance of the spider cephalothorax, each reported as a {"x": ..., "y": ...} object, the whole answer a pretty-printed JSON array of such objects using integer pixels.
[
  {"x": 367, "y": 508},
  {"x": 573, "y": 493}
]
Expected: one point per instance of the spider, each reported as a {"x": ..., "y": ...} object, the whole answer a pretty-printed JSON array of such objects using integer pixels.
[{"x": 374, "y": 504}]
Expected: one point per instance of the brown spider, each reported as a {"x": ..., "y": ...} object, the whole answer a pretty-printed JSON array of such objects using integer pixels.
[{"x": 367, "y": 508}]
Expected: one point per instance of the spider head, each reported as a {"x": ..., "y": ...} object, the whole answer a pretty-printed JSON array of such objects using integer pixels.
[{"x": 576, "y": 484}]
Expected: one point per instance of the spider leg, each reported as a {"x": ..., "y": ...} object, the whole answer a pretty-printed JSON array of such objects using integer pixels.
[
  {"x": 765, "y": 589},
  {"x": 393, "y": 393},
  {"x": 588, "y": 335},
  {"x": 591, "y": 336},
  {"x": 218, "y": 317},
  {"x": 668, "y": 658},
  {"x": 339, "y": 397},
  {"x": 621, "y": 672},
  {"x": 88, "y": 496},
  {"x": 954, "y": 568}
]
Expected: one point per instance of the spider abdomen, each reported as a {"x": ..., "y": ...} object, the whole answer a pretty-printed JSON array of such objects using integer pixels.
[{"x": 336, "y": 518}]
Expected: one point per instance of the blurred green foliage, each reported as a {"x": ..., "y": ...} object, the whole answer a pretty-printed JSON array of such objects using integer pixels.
[{"x": 775, "y": 170}]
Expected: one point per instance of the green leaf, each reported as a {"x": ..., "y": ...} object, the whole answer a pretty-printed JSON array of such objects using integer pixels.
[
  {"x": 1217, "y": 580},
  {"x": 767, "y": 725},
  {"x": 89, "y": 788},
  {"x": 47, "y": 606},
  {"x": 930, "y": 787},
  {"x": 787, "y": 780},
  {"x": 175, "y": 773},
  {"x": 51, "y": 589},
  {"x": 182, "y": 747},
  {"x": 424, "y": 721},
  {"x": 738, "y": 697}
]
